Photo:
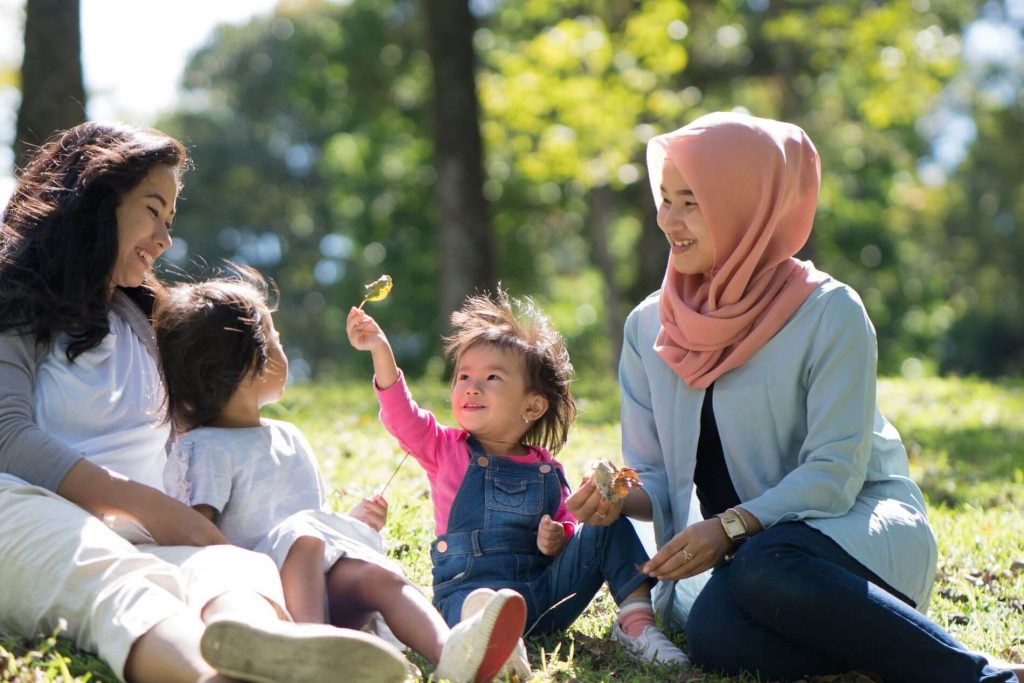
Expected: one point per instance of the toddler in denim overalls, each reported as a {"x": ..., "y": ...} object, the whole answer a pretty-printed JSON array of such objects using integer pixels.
[{"x": 498, "y": 492}]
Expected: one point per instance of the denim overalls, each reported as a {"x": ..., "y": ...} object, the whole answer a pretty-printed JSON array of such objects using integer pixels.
[{"x": 492, "y": 542}]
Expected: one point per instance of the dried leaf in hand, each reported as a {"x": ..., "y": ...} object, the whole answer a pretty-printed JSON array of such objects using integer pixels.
[
  {"x": 378, "y": 290},
  {"x": 614, "y": 483}
]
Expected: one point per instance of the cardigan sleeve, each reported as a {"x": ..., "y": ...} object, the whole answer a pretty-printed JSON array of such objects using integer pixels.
[
  {"x": 26, "y": 451},
  {"x": 641, "y": 447},
  {"x": 839, "y": 374}
]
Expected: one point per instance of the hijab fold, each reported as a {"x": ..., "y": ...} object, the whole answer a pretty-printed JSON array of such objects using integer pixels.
[{"x": 756, "y": 182}]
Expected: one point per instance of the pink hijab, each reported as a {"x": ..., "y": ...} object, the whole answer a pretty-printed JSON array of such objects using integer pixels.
[{"x": 756, "y": 182}]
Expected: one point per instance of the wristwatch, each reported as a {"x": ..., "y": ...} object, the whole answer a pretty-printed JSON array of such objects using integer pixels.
[{"x": 735, "y": 527}]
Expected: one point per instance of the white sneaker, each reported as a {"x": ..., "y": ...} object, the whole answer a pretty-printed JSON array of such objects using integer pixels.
[
  {"x": 650, "y": 646},
  {"x": 283, "y": 652},
  {"x": 478, "y": 646},
  {"x": 517, "y": 668}
]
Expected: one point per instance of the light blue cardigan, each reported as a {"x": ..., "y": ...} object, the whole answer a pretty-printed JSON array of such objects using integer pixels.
[{"x": 802, "y": 436}]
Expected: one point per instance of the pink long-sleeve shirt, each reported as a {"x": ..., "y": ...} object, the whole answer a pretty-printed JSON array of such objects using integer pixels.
[{"x": 444, "y": 453}]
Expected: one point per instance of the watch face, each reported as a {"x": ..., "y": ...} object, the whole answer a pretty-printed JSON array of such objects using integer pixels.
[{"x": 733, "y": 527}]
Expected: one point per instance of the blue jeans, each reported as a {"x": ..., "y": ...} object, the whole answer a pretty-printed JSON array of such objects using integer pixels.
[
  {"x": 491, "y": 542},
  {"x": 793, "y": 603}
]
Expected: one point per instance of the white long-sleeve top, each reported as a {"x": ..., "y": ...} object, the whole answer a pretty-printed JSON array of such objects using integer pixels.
[{"x": 108, "y": 406}]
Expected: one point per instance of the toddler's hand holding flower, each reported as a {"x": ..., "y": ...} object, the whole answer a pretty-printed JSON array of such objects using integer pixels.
[{"x": 363, "y": 331}]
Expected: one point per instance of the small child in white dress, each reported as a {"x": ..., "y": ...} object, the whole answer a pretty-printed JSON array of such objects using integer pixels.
[{"x": 259, "y": 481}]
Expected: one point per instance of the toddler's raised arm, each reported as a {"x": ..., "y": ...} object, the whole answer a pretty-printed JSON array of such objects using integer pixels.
[{"x": 366, "y": 335}]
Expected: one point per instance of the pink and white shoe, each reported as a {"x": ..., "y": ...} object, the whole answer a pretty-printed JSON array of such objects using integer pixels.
[
  {"x": 517, "y": 668},
  {"x": 479, "y": 646}
]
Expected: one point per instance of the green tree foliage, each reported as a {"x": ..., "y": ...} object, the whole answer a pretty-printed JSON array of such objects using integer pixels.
[
  {"x": 313, "y": 164},
  {"x": 982, "y": 243},
  {"x": 313, "y": 147},
  {"x": 575, "y": 89}
]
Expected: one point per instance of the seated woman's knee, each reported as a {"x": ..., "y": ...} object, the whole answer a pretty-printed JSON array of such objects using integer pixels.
[{"x": 764, "y": 567}]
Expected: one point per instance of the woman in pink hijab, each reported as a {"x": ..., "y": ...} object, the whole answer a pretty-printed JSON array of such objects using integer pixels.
[{"x": 748, "y": 381}]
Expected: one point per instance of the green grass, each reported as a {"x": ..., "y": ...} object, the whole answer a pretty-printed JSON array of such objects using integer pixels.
[{"x": 966, "y": 443}]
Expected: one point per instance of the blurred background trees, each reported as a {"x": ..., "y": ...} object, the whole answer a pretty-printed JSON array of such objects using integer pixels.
[{"x": 334, "y": 141}]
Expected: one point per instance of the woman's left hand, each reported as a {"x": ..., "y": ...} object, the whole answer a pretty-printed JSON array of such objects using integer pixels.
[{"x": 693, "y": 550}]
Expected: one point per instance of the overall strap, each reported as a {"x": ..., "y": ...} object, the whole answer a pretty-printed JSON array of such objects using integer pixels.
[{"x": 475, "y": 447}]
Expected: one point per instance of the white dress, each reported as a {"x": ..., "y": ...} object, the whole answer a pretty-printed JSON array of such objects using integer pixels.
[{"x": 264, "y": 482}]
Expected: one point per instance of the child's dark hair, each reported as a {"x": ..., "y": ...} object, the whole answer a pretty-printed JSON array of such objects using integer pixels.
[
  {"x": 212, "y": 335},
  {"x": 519, "y": 326}
]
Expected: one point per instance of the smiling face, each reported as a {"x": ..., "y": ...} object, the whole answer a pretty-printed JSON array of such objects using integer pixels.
[
  {"x": 490, "y": 399},
  {"x": 682, "y": 221},
  {"x": 144, "y": 216}
]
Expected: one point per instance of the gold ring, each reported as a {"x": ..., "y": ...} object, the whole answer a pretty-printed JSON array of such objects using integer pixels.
[
  {"x": 602, "y": 515},
  {"x": 687, "y": 555}
]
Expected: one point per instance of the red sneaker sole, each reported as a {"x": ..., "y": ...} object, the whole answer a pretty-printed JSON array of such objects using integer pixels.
[{"x": 508, "y": 628}]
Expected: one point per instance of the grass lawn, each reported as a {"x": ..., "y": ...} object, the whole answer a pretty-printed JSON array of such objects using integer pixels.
[{"x": 966, "y": 445}]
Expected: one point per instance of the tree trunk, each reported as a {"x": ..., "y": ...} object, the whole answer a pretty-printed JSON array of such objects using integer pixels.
[
  {"x": 601, "y": 201},
  {"x": 52, "y": 92},
  {"x": 466, "y": 243}
]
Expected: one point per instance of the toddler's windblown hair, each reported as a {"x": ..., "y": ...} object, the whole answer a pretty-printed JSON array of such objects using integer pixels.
[{"x": 519, "y": 326}]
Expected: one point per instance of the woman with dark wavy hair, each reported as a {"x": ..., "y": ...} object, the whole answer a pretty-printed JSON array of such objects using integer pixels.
[{"x": 87, "y": 535}]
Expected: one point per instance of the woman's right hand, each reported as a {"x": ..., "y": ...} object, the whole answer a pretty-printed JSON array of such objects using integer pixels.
[
  {"x": 588, "y": 505},
  {"x": 168, "y": 521},
  {"x": 171, "y": 522}
]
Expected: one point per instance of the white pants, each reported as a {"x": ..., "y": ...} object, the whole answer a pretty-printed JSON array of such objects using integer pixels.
[{"x": 58, "y": 562}]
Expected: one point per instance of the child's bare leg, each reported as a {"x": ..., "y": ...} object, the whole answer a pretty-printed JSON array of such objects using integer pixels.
[
  {"x": 240, "y": 604},
  {"x": 302, "y": 578},
  {"x": 356, "y": 589}
]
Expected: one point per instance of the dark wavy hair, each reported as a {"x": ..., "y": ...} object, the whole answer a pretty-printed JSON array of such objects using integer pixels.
[
  {"x": 519, "y": 326},
  {"x": 58, "y": 233},
  {"x": 212, "y": 336}
]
